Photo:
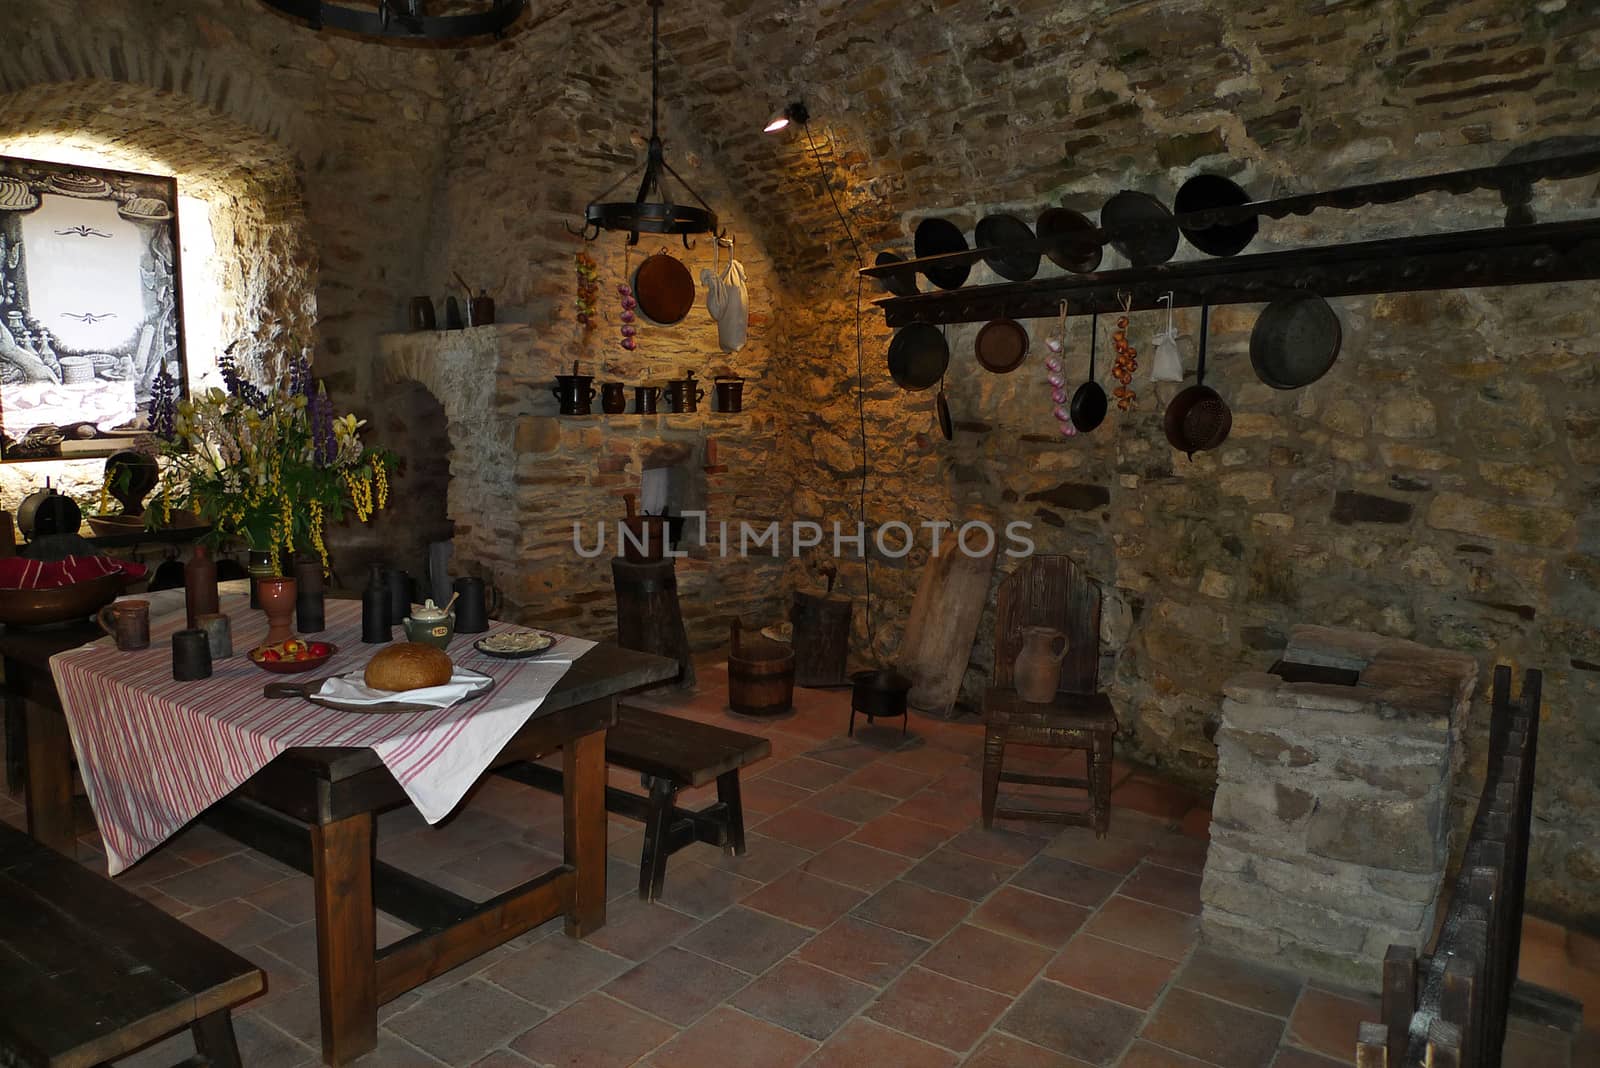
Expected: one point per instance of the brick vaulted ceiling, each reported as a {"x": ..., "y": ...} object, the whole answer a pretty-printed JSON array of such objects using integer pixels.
[{"x": 959, "y": 106}]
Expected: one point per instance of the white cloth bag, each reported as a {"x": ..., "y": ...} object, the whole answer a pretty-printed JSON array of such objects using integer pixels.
[{"x": 727, "y": 299}]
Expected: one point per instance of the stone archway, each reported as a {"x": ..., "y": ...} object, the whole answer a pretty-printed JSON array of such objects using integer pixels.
[
  {"x": 464, "y": 371},
  {"x": 258, "y": 276}
]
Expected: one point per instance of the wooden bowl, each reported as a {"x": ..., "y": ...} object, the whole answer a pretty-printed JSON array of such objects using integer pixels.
[
  {"x": 291, "y": 667},
  {"x": 62, "y": 604},
  {"x": 107, "y": 525}
]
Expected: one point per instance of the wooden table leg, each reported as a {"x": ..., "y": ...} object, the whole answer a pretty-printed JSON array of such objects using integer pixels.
[
  {"x": 341, "y": 855},
  {"x": 728, "y": 794},
  {"x": 16, "y": 737},
  {"x": 583, "y": 808},
  {"x": 50, "y": 779},
  {"x": 214, "y": 1040}
]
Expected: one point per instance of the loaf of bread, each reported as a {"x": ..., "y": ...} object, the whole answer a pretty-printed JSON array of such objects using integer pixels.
[{"x": 408, "y": 666}]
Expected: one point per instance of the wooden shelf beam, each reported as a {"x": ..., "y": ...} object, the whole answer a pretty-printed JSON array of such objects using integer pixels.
[{"x": 1502, "y": 256}]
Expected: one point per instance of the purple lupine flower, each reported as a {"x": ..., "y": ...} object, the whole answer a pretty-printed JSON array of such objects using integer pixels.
[
  {"x": 240, "y": 387},
  {"x": 300, "y": 375},
  {"x": 229, "y": 368},
  {"x": 164, "y": 406},
  {"x": 321, "y": 413}
]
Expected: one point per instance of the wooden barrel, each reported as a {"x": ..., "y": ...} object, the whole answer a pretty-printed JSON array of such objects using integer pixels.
[
  {"x": 648, "y": 617},
  {"x": 821, "y": 638},
  {"x": 760, "y": 676}
]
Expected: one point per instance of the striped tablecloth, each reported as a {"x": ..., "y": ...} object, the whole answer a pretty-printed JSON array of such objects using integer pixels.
[{"x": 155, "y": 753}]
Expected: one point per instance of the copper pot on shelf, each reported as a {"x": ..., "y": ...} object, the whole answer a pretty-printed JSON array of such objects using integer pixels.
[
  {"x": 684, "y": 394},
  {"x": 729, "y": 393}
]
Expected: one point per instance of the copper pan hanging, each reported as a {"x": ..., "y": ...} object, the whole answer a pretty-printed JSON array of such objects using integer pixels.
[{"x": 1198, "y": 418}]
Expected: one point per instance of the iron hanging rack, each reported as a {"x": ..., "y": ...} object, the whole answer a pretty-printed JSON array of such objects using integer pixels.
[
  {"x": 642, "y": 215},
  {"x": 404, "y": 19}
]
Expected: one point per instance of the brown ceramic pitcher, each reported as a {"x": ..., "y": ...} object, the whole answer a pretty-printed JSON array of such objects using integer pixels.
[{"x": 1037, "y": 671}]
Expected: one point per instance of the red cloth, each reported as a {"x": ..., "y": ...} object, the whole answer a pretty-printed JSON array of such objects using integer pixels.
[{"x": 17, "y": 573}]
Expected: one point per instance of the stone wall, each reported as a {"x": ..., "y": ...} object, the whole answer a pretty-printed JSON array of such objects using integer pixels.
[
  {"x": 1469, "y": 413},
  {"x": 541, "y": 125}
]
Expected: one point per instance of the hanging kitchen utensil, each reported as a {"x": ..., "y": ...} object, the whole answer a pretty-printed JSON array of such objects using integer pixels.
[
  {"x": 1081, "y": 257},
  {"x": 1295, "y": 341},
  {"x": 1140, "y": 227},
  {"x": 946, "y": 426},
  {"x": 1089, "y": 403},
  {"x": 935, "y": 237},
  {"x": 918, "y": 356},
  {"x": 1204, "y": 192},
  {"x": 1001, "y": 346},
  {"x": 901, "y": 285},
  {"x": 1058, "y": 385},
  {"x": 1167, "y": 366},
  {"x": 1005, "y": 232},
  {"x": 1198, "y": 418},
  {"x": 664, "y": 289}
]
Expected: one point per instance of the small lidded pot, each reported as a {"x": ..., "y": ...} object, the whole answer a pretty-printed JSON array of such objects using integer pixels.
[{"x": 431, "y": 624}]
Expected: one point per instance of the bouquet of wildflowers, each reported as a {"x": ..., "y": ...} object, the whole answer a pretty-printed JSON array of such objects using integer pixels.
[{"x": 270, "y": 464}]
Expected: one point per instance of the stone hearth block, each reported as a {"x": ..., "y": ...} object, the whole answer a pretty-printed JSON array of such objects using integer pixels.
[{"x": 1330, "y": 830}]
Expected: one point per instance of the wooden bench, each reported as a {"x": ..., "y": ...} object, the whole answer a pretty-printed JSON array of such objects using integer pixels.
[
  {"x": 1449, "y": 1009},
  {"x": 671, "y": 754},
  {"x": 92, "y": 972}
]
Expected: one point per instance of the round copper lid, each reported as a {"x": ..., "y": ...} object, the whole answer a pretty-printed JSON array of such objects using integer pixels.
[{"x": 1001, "y": 346}]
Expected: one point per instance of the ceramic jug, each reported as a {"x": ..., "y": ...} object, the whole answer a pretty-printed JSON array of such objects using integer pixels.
[{"x": 1037, "y": 671}]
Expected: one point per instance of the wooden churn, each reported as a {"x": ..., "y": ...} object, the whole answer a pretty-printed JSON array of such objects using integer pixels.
[
  {"x": 648, "y": 616},
  {"x": 821, "y": 635},
  {"x": 760, "y": 675}
]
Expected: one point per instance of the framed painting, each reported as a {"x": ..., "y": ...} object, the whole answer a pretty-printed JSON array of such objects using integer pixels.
[{"x": 91, "y": 307}]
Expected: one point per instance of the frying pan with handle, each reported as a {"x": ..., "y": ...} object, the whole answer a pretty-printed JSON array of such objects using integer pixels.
[
  {"x": 1198, "y": 418},
  {"x": 1089, "y": 403}
]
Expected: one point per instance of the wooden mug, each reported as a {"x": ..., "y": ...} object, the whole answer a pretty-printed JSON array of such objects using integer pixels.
[{"x": 128, "y": 622}]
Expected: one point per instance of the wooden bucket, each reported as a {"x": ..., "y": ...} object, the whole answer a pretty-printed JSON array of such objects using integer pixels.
[{"x": 760, "y": 676}]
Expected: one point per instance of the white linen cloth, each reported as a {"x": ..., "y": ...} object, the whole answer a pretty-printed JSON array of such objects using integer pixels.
[
  {"x": 727, "y": 299},
  {"x": 155, "y": 753},
  {"x": 352, "y": 689}
]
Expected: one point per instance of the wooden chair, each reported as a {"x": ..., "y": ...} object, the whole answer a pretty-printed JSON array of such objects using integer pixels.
[{"x": 1050, "y": 591}]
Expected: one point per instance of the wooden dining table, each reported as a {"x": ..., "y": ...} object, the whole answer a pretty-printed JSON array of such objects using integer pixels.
[{"x": 315, "y": 808}]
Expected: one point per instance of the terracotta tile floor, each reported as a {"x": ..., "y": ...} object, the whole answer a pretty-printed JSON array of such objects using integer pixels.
[{"x": 873, "y": 924}]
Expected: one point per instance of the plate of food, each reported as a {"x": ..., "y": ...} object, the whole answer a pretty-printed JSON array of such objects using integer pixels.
[{"x": 516, "y": 644}]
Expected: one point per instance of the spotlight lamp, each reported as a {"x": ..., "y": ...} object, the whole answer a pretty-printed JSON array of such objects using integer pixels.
[{"x": 795, "y": 111}]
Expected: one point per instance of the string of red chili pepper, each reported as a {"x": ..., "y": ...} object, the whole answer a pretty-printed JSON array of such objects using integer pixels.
[{"x": 1127, "y": 362}]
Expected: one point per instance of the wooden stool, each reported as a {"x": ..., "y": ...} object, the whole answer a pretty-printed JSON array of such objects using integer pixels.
[
  {"x": 648, "y": 617},
  {"x": 92, "y": 971},
  {"x": 672, "y": 754},
  {"x": 821, "y": 636}
]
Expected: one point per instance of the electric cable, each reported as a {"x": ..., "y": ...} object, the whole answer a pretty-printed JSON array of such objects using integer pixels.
[{"x": 861, "y": 388}]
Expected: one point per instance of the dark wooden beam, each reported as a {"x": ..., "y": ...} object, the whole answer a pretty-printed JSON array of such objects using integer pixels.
[{"x": 1524, "y": 255}]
